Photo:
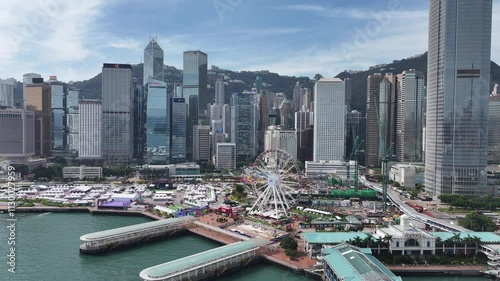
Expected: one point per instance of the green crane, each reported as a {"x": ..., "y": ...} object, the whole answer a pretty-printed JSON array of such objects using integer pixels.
[{"x": 386, "y": 158}]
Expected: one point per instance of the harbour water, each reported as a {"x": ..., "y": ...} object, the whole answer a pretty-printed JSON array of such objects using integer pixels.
[{"x": 47, "y": 250}]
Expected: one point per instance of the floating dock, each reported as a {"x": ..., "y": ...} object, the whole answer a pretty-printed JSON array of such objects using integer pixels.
[
  {"x": 207, "y": 265},
  {"x": 107, "y": 240}
]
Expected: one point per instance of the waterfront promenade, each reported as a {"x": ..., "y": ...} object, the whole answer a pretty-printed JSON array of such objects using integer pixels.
[{"x": 464, "y": 270}]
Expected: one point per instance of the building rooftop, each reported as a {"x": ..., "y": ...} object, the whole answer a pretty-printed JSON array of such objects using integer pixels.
[
  {"x": 333, "y": 237},
  {"x": 330, "y": 80},
  {"x": 486, "y": 237},
  {"x": 175, "y": 267},
  {"x": 132, "y": 228},
  {"x": 354, "y": 264}
]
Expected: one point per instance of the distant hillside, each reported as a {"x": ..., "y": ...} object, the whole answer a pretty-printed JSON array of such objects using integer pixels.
[{"x": 244, "y": 80}]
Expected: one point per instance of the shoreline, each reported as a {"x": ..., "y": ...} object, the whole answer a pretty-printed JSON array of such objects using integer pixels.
[{"x": 430, "y": 270}]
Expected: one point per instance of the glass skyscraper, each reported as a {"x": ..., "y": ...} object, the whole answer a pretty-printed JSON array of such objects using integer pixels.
[
  {"x": 178, "y": 130},
  {"x": 244, "y": 124},
  {"x": 153, "y": 62},
  {"x": 157, "y": 123},
  {"x": 58, "y": 117},
  {"x": 117, "y": 117},
  {"x": 195, "y": 78},
  {"x": 457, "y": 97},
  {"x": 72, "y": 120}
]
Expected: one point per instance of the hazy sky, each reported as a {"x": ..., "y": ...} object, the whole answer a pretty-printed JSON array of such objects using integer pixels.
[{"x": 71, "y": 39}]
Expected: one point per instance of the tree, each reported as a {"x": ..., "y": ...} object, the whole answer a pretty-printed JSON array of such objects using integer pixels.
[
  {"x": 396, "y": 184},
  {"x": 290, "y": 245},
  {"x": 476, "y": 221},
  {"x": 291, "y": 253}
]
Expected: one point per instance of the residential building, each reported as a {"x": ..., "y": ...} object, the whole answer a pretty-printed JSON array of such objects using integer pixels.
[
  {"x": 226, "y": 156},
  {"x": 329, "y": 119},
  {"x": 201, "y": 143},
  {"x": 410, "y": 116},
  {"x": 90, "y": 133},
  {"x": 458, "y": 85},
  {"x": 195, "y": 78},
  {"x": 178, "y": 130},
  {"x": 17, "y": 139},
  {"x": 117, "y": 118},
  {"x": 38, "y": 99},
  {"x": 157, "y": 123},
  {"x": 244, "y": 124}
]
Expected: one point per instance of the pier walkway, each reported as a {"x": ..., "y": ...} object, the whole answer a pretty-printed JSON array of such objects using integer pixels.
[
  {"x": 103, "y": 241},
  {"x": 207, "y": 264}
]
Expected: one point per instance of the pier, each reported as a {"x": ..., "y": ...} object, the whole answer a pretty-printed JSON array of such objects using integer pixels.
[
  {"x": 107, "y": 240},
  {"x": 208, "y": 264}
]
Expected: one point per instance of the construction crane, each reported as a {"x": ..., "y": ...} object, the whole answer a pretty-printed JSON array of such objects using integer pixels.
[
  {"x": 354, "y": 156},
  {"x": 386, "y": 158}
]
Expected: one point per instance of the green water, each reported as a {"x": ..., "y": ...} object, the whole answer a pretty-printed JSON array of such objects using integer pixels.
[{"x": 47, "y": 250}]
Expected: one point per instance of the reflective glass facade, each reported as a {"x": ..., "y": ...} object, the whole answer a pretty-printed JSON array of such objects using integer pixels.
[
  {"x": 72, "y": 120},
  {"x": 195, "y": 78},
  {"x": 157, "y": 123},
  {"x": 153, "y": 62},
  {"x": 244, "y": 124},
  {"x": 457, "y": 96},
  {"x": 178, "y": 130},
  {"x": 58, "y": 97}
]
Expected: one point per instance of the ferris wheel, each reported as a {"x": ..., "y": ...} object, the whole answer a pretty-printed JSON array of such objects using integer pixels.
[{"x": 275, "y": 177}]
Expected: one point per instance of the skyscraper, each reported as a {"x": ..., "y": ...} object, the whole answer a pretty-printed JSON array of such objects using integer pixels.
[
  {"x": 17, "y": 139},
  {"x": 139, "y": 123},
  {"x": 201, "y": 143},
  {"x": 178, "y": 130},
  {"x": 458, "y": 83},
  {"x": 219, "y": 91},
  {"x": 38, "y": 99},
  {"x": 27, "y": 80},
  {"x": 153, "y": 62},
  {"x": 493, "y": 128},
  {"x": 244, "y": 124},
  {"x": 157, "y": 123},
  {"x": 90, "y": 134},
  {"x": 7, "y": 92},
  {"x": 410, "y": 116},
  {"x": 296, "y": 97},
  {"x": 329, "y": 119},
  {"x": 59, "y": 138},
  {"x": 117, "y": 118},
  {"x": 72, "y": 120},
  {"x": 195, "y": 78},
  {"x": 302, "y": 120}
]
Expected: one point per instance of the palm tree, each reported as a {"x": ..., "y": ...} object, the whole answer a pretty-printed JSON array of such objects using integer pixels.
[
  {"x": 368, "y": 241},
  {"x": 357, "y": 241},
  {"x": 476, "y": 240},
  {"x": 439, "y": 242},
  {"x": 387, "y": 239},
  {"x": 456, "y": 239}
]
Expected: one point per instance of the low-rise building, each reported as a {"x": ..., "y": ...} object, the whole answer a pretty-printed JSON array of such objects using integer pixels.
[
  {"x": 186, "y": 170},
  {"x": 81, "y": 172},
  {"x": 408, "y": 175}
]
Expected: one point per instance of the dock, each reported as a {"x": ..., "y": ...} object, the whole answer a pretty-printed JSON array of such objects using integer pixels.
[{"x": 107, "y": 240}]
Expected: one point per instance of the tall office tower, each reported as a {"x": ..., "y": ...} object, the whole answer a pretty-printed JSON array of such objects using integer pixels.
[
  {"x": 157, "y": 123},
  {"x": 90, "y": 134},
  {"x": 59, "y": 137},
  {"x": 279, "y": 138},
  {"x": 493, "y": 128},
  {"x": 372, "y": 158},
  {"x": 302, "y": 120},
  {"x": 178, "y": 130},
  {"x": 386, "y": 114},
  {"x": 7, "y": 92},
  {"x": 191, "y": 121},
  {"x": 27, "y": 80},
  {"x": 219, "y": 91},
  {"x": 410, "y": 116},
  {"x": 195, "y": 78},
  {"x": 244, "y": 124},
  {"x": 278, "y": 100},
  {"x": 139, "y": 122},
  {"x": 117, "y": 117},
  {"x": 353, "y": 129},
  {"x": 226, "y": 156},
  {"x": 258, "y": 84},
  {"x": 329, "y": 119},
  {"x": 73, "y": 120},
  {"x": 297, "y": 97},
  {"x": 217, "y": 135},
  {"x": 348, "y": 93},
  {"x": 38, "y": 100},
  {"x": 153, "y": 62},
  {"x": 17, "y": 140},
  {"x": 285, "y": 114},
  {"x": 201, "y": 143},
  {"x": 458, "y": 85},
  {"x": 306, "y": 100},
  {"x": 264, "y": 117}
]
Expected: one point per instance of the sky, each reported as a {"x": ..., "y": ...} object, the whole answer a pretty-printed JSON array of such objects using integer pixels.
[{"x": 72, "y": 39}]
